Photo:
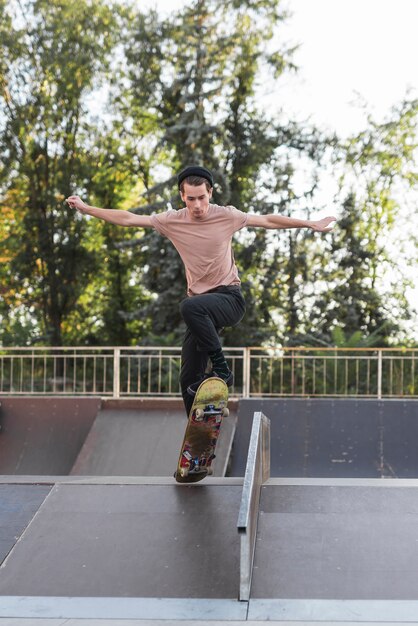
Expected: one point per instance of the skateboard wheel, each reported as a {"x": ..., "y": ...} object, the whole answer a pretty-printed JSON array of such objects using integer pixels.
[
  {"x": 225, "y": 412},
  {"x": 199, "y": 415},
  {"x": 184, "y": 472}
]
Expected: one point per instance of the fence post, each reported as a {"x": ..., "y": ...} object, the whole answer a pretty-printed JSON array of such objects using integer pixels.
[
  {"x": 246, "y": 373},
  {"x": 379, "y": 374},
  {"x": 116, "y": 372}
]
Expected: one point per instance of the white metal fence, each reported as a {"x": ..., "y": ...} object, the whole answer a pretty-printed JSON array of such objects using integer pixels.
[{"x": 259, "y": 372}]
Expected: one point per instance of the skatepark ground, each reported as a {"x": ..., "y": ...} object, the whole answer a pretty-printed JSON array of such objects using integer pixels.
[{"x": 87, "y": 536}]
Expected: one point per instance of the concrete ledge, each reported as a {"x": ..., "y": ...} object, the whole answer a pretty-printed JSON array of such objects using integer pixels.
[
  {"x": 33, "y": 611},
  {"x": 139, "y": 622},
  {"x": 355, "y": 611},
  {"x": 342, "y": 482},
  {"x": 211, "y": 481},
  {"x": 42, "y": 607}
]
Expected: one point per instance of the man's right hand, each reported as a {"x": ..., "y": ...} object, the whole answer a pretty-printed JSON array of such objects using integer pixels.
[
  {"x": 75, "y": 202},
  {"x": 113, "y": 216}
]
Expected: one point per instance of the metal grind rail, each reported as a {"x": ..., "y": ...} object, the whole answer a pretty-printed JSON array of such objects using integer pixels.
[{"x": 256, "y": 473}]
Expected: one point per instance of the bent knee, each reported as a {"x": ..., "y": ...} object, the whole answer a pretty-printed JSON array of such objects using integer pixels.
[{"x": 187, "y": 308}]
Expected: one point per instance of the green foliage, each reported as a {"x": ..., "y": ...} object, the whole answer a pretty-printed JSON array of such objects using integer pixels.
[
  {"x": 178, "y": 91},
  {"x": 365, "y": 264},
  {"x": 193, "y": 81},
  {"x": 51, "y": 56}
]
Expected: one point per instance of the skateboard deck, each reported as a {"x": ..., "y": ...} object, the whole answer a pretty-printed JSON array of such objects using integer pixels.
[{"x": 205, "y": 419}]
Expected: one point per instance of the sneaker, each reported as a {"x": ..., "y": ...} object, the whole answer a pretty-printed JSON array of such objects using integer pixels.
[
  {"x": 191, "y": 389},
  {"x": 229, "y": 380}
]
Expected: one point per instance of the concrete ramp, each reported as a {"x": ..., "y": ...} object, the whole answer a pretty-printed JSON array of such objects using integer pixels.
[
  {"x": 337, "y": 551},
  {"x": 307, "y": 551},
  {"x": 327, "y": 552},
  {"x": 123, "y": 540},
  {"x": 150, "y": 548},
  {"x": 43, "y": 436},
  {"x": 141, "y": 438},
  {"x": 131, "y": 442},
  {"x": 95, "y": 437},
  {"x": 333, "y": 438}
]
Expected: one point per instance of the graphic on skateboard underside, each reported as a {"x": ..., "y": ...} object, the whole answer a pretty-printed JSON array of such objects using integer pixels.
[{"x": 202, "y": 431}]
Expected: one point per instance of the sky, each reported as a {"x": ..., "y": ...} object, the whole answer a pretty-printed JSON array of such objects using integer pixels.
[
  {"x": 348, "y": 48},
  {"x": 350, "y": 51}
]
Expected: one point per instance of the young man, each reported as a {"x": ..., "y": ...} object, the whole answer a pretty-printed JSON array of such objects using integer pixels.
[{"x": 202, "y": 234}]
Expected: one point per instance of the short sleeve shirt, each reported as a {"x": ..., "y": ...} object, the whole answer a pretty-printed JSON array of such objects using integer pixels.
[{"x": 204, "y": 245}]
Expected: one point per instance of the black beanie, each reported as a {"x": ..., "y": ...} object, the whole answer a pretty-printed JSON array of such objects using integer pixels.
[{"x": 195, "y": 170}]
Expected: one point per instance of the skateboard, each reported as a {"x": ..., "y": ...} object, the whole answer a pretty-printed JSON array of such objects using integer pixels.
[{"x": 198, "y": 448}]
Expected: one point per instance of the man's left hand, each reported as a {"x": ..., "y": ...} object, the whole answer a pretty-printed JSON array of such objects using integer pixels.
[{"x": 323, "y": 226}]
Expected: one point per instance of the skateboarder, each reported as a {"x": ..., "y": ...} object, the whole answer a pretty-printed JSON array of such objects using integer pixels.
[{"x": 202, "y": 234}]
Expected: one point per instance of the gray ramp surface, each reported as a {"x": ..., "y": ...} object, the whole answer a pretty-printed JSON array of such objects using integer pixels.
[
  {"x": 18, "y": 505},
  {"x": 43, "y": 436},
  {"x": 326, "y": 438},
  {"x": 132, "y": 443},
  {"x": 337, "y": 542},
  {"x": 142, "y": 442},
  {"x": 129, "y": 541}
]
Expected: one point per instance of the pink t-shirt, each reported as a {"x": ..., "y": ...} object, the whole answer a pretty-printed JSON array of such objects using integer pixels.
[{"x": 205, "y": 245}]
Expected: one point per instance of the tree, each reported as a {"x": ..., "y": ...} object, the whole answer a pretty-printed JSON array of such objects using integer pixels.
[
  {"x": 51, "y": 58},
  {"x": 103, "y": 315},
  {"x": 193, "y": 84},
  {"x": 363, "y": 268}
]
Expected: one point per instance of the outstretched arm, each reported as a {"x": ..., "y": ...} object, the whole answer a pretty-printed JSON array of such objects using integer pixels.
[
  {"x": 281, "y": 221},
  {"x": 114, "y": 216}
]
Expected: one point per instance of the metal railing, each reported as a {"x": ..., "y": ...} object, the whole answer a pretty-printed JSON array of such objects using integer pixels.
[
  {"x": 333, "y": 372},
  {"x": 258, "y": 372},
  {"x": 256, "y": 473}
]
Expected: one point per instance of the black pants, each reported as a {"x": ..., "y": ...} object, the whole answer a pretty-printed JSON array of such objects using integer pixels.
[{"x": 205, "y": 315}]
